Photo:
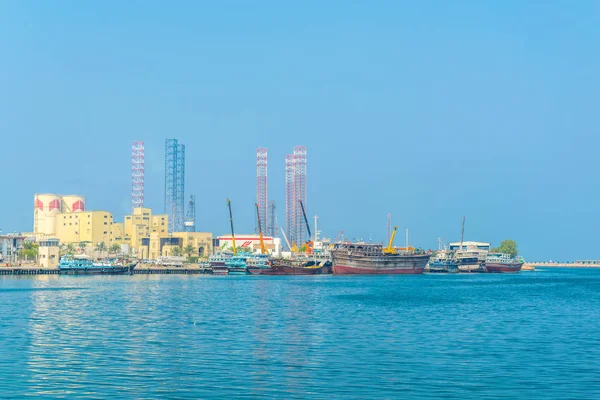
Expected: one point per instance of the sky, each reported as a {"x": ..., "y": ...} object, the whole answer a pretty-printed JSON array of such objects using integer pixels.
[{"x": 427, "y": 110}]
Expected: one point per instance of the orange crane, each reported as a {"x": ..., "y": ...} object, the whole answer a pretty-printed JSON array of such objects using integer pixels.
[{"x": 263, "y": 250}]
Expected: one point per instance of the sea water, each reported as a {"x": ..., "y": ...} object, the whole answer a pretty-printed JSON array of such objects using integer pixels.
[{"x": 528, "y": 335}]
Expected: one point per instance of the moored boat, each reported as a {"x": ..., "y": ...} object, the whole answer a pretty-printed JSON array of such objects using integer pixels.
[
  {"x": 359, "y": 258},
  {"x": 81, "y": 265},
  {"x": 217, "y": 263},
  {"x": 236, "y": 265},
  {"x": 502, "y": 262},
  {"x": 443, "y": 261},
  {"x": 258, "y": 264}
]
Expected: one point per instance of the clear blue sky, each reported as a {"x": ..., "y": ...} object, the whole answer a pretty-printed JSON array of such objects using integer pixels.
[{"x": 428, "y": 110}]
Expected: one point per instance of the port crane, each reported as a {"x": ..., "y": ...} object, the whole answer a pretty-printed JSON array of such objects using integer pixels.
[
  {"x": 390, "y": 247},
  {"x": 310, "y": 243},
  {"x": 231, "y": 223},
  {"x": 263, "y": 250}
]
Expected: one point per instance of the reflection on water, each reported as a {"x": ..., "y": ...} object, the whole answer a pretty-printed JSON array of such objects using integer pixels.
[{"x": 455, "y": 336}]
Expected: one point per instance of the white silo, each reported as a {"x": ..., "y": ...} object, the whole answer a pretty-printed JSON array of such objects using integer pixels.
[
  {"x": 45, "y": 208},
  {"x": 73, "y": 203}
]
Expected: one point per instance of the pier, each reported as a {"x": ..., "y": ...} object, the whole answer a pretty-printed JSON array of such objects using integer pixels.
[{"x": 574, "y": 264}]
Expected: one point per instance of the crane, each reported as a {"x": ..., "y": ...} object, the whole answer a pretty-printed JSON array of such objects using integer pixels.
[
  {"x": 260, "y": 234},
  {"x": 286, "y": 239},
  {"x": 231, "y": 222},
  {"x": 309, "y": 244},
  {"x": 339, "y": 236},
  {"x": 390, "y": 247}
]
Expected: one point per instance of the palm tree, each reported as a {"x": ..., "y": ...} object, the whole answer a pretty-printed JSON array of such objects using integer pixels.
[
  {"x": 101, "y": 247},
  {"x": 188, "y": 250},
  {"x": 30, "y": 250},
  {"x": 70, "y": 248},
  {"x": 114, "y": 249},
  {"x": 82, "y": 246},
  {"x": 177, "y": 251}
]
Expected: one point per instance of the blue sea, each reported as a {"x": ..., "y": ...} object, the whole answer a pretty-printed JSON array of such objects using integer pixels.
[{"x": 531, "y": 335}]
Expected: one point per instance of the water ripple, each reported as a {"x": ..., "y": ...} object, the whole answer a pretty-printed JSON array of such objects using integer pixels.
[{"x": 532, "y": 335}]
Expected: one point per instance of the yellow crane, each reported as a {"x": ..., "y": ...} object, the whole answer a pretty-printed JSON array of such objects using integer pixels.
[
  {"x": 263, "y": 250},
  {"x": 390, "y": 247},
  {"x": 231, "y": 222}
]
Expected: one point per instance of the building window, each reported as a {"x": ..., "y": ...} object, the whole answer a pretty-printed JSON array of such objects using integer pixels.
[
  {"x": 105, "y": 232},
  {"x": 105, "y": 223}
]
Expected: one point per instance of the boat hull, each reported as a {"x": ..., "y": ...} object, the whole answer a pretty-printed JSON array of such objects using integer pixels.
[
  {"x": 497, "y": 267},
  {"x": 293, "y": 270},
  {"x": 125, "y": 270},
  {"x": 349, "y": 270},
  {"x": 345, "y": 263}
]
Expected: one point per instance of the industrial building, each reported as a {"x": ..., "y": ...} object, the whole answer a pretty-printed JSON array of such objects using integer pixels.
[
  {"x": 47, "y": 206},
  {"x": 10, "y": 245},
  {"x": 249, "y": 243},
  {"x": 470, "y": 245}
]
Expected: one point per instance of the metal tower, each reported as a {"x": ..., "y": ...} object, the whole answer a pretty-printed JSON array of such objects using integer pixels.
[
  {"x": 137, "y": 175},
  {"x": 190, "y": 218},
  {"x": 300, "y": 192},
  {"x": 262, "y": 187},
  {"x": 291, "y": 204},
  {"x": 273, "y": 228},
  {"x": 174, "y": 184}
]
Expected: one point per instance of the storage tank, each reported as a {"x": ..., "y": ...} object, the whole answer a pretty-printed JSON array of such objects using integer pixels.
[
  {"x": 45, "y": 208},
  {"x": 73, "y": 203}
]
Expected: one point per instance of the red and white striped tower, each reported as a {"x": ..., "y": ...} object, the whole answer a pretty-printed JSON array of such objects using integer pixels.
[
  {"x": 290, "y": 198},
  {"x": 262, "y": 188},
  {"x": 137, "y": 175},
  {"x": 300, "y": 193}
]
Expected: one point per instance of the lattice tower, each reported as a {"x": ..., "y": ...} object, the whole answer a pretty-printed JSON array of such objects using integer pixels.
[
  {"x": 262, "y": 188},
  {"x": 137, "y": 175}
]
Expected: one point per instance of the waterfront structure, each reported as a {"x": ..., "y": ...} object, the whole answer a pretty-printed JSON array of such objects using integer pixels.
[
  {"x": 163, "y": 244},
  {"x": 137, "y": 175},
  {"x": 47, "y": 206},
  {"x": 49, "y": 253},
  {"x": 295, "y": 183},
  {"x": 470, "y": 245},
  {"x": 249, "y": 243},
  {"x": 262, "y": 188},
  {"x": 175, "y": 184}
]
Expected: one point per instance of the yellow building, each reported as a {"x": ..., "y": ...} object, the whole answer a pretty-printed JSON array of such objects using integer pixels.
[
  {"x": 137, "y": 228},
  {"x": 86, "y": 226},
  {"x": 162, "y": 244}
]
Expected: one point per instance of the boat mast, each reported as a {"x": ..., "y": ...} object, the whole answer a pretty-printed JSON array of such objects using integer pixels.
[
  {"x": 231, "y": 222},
  {"x": 462, "y": 235},
  {"x": 407, "y": 240}
]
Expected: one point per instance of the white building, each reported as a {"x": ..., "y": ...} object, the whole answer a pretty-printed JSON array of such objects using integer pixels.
[
  {"x": 249, "y": 243},
  {"x": 471, "y": 245}
]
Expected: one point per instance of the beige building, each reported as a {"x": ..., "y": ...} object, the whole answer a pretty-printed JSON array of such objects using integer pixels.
[
  {"x": 88, "y": 226},
  {"x": 136, "y": 229},
  {"x": 162, "y": 244},
  {"x": 48, "y": 253}
]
